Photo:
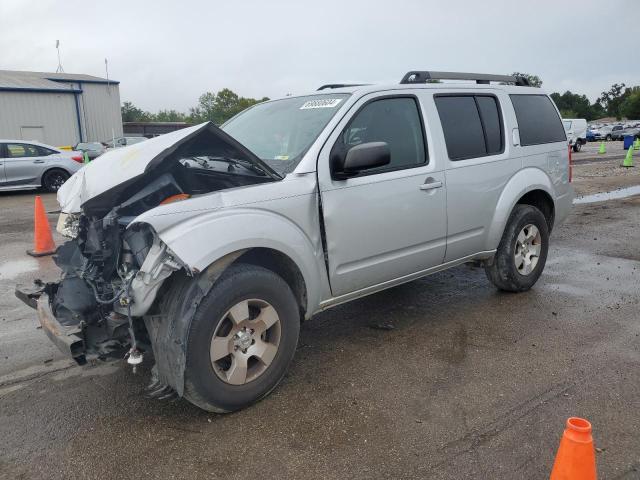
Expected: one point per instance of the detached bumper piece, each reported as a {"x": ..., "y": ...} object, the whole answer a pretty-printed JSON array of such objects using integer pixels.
[{"x": 68, "y": 339}]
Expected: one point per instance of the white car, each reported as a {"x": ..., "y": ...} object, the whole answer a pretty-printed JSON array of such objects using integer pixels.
[
  {"x": 30, "y": 165},
  {"x": 576, "y": 130}
]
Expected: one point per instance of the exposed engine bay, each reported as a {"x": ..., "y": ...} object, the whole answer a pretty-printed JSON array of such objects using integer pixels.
[{"x": 113, "y": 267}]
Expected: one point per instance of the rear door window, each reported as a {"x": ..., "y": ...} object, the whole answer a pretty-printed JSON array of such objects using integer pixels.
[
  {"x": 471, "y": 124},
  {"x": 538, "y": 120},
  {"x": 17, "y": 150}
]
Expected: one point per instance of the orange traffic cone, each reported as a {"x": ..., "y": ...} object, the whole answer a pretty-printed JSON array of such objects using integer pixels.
[
  {"x": 43, "y": 240},
  {"x": 576, "y": 459}
]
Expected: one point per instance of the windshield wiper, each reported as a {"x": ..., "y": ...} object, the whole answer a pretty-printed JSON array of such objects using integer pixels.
[{"x": 243, "y": 163}]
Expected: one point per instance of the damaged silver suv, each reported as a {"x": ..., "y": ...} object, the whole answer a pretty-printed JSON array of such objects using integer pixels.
[{"x": 206, "y": 247}]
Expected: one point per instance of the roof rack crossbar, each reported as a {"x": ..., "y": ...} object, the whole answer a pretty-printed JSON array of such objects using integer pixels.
[
  {"x": 340, "y": 85},
  {"x": 421, "y": 76}
]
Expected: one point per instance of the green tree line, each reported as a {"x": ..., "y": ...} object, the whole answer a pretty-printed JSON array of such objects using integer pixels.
[
  {"x": 619, "y": 101},
  {"x": 215, "y": 107}
]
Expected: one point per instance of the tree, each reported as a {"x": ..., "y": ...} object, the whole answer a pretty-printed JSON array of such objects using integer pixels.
[
  {"x": 572, "y": 105},
  {"x": 131, "y": 113},
  {"x": 169, "y": 116},
  {"x": 221, "y": 106},
  {"x": 534, "y": 80},
  {"x": 630, "y": 107},
  {"x": 612, "y": 100}
]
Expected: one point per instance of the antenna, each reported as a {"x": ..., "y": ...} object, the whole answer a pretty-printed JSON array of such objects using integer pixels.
[
  {"x": 59, "y": 69},
  {"x": 106, "y": 69}
]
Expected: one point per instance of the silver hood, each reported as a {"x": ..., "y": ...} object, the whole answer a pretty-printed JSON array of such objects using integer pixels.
[{"x": 106, "y": 177}]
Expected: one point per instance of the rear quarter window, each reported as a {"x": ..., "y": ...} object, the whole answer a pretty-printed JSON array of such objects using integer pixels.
[{"x": 538, "y": 120}]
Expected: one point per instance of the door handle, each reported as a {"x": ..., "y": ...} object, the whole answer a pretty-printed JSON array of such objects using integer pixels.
[
  {"x": 430, "y": 185},
  {"x": 38, "y": 161}
]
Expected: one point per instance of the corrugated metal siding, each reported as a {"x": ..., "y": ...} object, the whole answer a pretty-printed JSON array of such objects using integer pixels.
[
  {"x": 101, "y": 116},
  {"x": 55, "y": 112}
]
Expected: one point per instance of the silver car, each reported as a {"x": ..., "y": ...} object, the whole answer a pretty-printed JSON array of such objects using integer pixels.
[
  {"x": 208, "y": 246},
  {"x": 29, "y": 165}
]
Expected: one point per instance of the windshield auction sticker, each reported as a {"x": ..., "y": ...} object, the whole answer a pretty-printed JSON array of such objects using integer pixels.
[{"x": 321, "y": 103}]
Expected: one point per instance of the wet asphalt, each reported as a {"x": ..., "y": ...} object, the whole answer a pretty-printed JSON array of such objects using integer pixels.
[{"x": 442, "y": 378}]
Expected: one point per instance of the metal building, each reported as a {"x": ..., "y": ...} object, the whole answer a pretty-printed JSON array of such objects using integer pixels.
[{"x": 58, "y": 108}]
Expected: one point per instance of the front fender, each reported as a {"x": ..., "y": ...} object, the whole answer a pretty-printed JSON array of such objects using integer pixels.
[
  {"x": 522, "y": 182},
  {"x": 206, "y": 237}
]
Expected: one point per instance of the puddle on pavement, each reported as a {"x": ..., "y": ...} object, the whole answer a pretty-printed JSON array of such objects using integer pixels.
[
  {"x": 15, "y": 268},
  {"x": 613, "y": 195}
]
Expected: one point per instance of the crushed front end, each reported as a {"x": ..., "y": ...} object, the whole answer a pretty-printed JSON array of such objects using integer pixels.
[{"x": 110, "y": 277}]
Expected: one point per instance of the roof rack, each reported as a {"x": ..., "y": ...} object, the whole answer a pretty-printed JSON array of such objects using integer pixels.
[
  {"x": 418, "y": 76},
  {"x": 341, "y": 85}
]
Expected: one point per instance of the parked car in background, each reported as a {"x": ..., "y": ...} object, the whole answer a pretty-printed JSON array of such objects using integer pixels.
[
  {"x": 619, "y": 134},
  {"x": 123, "y": 141},
  {"x": 28, "y": 165},
  {"x": 92, "y": 149},
  {"x": 591, "y": 136},
  {"x": 576, "y": 130},
  {"x": 603, "y": 132}
]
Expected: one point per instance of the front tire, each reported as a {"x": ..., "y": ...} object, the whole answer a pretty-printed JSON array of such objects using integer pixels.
[
  {"x": 522, "y": 251},
  {"x": 577, "y": 146},
  {"x": 242, "y": 339}
]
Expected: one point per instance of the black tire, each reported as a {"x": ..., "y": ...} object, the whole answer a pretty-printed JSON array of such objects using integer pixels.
[
  {"x": 577, "y": 147},
  {"x": 608, "y": 138},
  {"x": 502, "y": 271},
  {"x": 53, "y": 179},
  {"x": 203, "y": 387}
]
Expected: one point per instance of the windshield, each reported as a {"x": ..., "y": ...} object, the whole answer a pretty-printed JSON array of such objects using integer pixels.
[{"x": 280, "y": 132}]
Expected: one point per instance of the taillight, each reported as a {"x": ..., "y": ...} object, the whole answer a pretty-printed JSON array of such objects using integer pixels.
[
  {"x": 570, "y": 166},
  {"x": 77, "y": 158}
]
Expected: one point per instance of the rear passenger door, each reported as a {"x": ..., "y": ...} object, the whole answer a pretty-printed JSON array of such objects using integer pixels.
[{"x": 477, "y": 166}]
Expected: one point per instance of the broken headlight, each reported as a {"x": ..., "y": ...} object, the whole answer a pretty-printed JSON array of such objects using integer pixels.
[{"x": 68, "y": 225}]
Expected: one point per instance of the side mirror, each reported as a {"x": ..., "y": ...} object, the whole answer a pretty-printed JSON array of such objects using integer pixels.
[{"x": 363, "y": 157}]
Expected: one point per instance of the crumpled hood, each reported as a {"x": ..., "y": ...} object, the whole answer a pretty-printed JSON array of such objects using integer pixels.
[{"x": 119, "y": 167}]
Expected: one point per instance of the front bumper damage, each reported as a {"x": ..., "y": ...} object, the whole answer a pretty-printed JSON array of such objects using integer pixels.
[
  {"x": 122, "y": 290},
  {"x": 68, "y": 339}
]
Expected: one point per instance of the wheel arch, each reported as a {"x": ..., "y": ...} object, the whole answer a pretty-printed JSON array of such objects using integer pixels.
[{"x": 530, "y": 186}]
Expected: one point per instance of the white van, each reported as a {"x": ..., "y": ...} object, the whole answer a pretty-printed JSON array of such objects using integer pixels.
[{"x": 576, "y": 129}]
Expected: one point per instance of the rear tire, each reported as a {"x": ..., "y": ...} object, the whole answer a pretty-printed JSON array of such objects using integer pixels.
[
  {"x": 245, "y": 297},
  {"x": 577, "y": 146},
  {"x": 608, "y": 138},
  {"x": 522, "y": 251},
  {"x": 53, "y": 179}
]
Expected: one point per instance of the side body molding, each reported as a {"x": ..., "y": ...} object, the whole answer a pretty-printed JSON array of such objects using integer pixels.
[{"x": 524, "y": 181}]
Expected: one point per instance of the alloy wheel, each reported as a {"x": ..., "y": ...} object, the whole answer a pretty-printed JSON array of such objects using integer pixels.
[{"x": 245, "y": 341}]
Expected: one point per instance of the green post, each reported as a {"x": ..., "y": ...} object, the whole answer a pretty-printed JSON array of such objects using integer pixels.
[{"x": 85, "y": 156}]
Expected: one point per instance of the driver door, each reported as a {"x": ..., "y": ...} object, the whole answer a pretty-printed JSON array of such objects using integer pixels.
[{"x": 387, "y": 222}]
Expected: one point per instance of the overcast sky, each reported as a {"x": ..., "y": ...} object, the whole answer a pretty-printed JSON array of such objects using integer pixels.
[{"x": 167, "y": 53}]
